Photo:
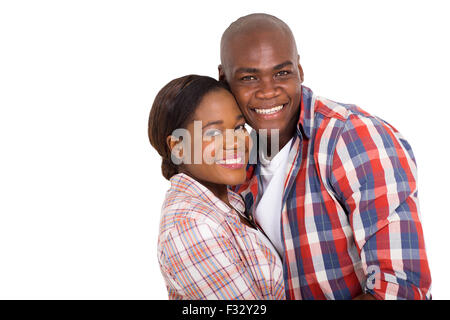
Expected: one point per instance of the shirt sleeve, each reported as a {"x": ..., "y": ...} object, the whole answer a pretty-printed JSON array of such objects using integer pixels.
[
  {"x": 373, "y": 173},
  {"x": 200, "y": 263}
]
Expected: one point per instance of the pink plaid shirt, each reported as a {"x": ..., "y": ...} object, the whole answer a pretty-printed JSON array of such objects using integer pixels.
[{"x": 206, "y": 252}]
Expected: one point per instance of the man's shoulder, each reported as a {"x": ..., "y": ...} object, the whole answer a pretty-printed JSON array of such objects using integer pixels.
[
  {"x": 353, "y": 125},
  {"x": 342, "y": 112},
  {"x": 335, "y": 120},
  {"x": 338, "y": 110},
  {"x": 346, "y": 117}
]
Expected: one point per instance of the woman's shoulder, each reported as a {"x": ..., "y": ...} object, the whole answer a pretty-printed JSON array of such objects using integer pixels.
[
  {"x": 184, "y": 206},
  {"x": 187, "y": 199},
  {"x": 181, "y": 212}
]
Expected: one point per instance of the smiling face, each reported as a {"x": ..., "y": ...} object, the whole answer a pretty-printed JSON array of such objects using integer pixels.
[
  {"x": 218, "y": 127},
  {"x": 265, "y": 76}
]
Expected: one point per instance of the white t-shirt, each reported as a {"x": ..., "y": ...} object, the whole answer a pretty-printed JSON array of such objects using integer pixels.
[{"x": 270, "y": 193}]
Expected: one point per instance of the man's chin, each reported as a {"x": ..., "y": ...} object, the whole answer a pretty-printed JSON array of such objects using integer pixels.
[{"x": 272, "y": 129}]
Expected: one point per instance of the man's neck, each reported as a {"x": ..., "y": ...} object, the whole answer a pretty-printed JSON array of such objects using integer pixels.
[{"x": 266, "y": 147}]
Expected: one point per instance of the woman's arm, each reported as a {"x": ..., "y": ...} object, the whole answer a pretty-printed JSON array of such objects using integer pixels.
[{"x": 201, "y": 263}]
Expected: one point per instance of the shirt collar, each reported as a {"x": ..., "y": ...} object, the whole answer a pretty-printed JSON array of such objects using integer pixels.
[
  {"x": 305, "y": 121},
  {"x": 182, "y": 182}
]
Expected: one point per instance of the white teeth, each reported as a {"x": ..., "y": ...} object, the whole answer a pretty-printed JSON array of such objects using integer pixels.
[
  {"x": 230, "y": 161},
  {"x": 269, "y": 111}
]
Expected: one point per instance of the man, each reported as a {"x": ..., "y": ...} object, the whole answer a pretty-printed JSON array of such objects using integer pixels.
[{"x": 339, "y": 201}]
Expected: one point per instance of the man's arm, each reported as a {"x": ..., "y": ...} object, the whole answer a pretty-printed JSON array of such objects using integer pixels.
[
  {"x": 366, "y": 296},
  {"x": 374, "y": 175}
]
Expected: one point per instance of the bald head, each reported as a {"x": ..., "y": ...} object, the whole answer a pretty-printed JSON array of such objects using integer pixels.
[
  {"x": 260, "y": 63},
  {"x": 256, "y": 24}
]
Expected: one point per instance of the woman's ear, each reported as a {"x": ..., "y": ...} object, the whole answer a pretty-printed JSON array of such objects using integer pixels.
[{"x": 175, "y": 146}]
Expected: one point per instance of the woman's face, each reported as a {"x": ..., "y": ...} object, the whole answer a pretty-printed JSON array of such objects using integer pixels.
[{"x": 219, "y": 145}]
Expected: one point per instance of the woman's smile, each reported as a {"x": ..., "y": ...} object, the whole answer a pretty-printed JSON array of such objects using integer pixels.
[{"x": 236, "y": 161}]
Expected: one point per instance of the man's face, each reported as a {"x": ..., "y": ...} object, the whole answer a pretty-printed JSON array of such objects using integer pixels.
[{"x": 265, "y": 77}]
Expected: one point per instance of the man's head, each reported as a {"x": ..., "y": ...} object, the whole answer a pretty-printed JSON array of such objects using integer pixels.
[{"x": 259, "y": 60}]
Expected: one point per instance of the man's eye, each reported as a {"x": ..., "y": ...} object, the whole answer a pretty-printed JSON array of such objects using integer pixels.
[
  {"x": 283, "y": 73},
  {"x": 212, "y": 133},
  {"x": 248, "y": 78}
]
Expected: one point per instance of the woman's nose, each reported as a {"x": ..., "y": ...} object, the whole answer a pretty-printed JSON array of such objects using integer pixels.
[
  {"x": 230, "y": 140},
  {"x": 236, "y": 141}
]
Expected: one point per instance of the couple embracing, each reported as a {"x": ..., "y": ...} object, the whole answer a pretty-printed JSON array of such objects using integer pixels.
[{"x": 319, "y": 201}]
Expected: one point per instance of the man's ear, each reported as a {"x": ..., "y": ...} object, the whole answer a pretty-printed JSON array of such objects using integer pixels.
[
  {"x": 221, "y": 73},
  {"x": 300, "y": 70}
]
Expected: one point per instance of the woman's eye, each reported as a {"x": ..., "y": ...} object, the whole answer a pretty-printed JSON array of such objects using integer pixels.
[
  {"x": 212, "y": 133},
  {"x": 241, "y": 128}
]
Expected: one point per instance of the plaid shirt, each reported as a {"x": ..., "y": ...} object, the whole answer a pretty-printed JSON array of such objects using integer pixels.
[
  {"x": 206, "y": 252},
  {"x": 350, "y": 219}
]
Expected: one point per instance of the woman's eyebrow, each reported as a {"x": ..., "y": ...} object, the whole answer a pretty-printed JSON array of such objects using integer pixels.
[{"x": 211, "y": 123}]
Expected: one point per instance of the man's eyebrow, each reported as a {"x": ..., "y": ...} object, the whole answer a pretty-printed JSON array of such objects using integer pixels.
[
  {"x": 282, "y": 65},
  {"x": 247, "y": 70},
  {"x": 255, "y": 70},
  {"x": 211, "y": 123}
]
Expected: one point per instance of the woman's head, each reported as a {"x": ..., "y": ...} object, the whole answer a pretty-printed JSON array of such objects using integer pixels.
[{"x": 197, "y": 128}]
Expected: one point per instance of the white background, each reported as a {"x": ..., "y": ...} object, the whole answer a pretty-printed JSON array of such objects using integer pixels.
[{"x": 80, "y": 186}]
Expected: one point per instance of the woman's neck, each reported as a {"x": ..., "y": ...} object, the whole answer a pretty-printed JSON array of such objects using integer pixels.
[{"x": 219, "y": 190}]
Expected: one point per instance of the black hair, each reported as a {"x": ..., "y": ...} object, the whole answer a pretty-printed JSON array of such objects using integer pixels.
[{"x": 173, "y": 108}]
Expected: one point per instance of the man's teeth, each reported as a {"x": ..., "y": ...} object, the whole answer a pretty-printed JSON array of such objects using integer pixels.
[
  {"x": 230, "y": 161},
  {"x": 269, "y": 111}
]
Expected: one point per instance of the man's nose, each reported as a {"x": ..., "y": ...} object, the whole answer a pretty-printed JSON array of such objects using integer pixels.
[{"x": 267, "y": 89}]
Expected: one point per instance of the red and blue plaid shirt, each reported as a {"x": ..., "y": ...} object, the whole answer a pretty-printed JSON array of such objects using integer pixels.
[{"x": 350, "y": 215}]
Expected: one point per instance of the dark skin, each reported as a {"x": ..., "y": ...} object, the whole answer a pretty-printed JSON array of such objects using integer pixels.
[
  {"x": 218, "y": 112},
  {"x": 262, "y": 67},
  {"x": 264, "y": 72}
]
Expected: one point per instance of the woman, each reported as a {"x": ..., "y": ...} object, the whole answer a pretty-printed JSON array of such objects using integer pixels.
[{"x": 206, "y": 248}]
